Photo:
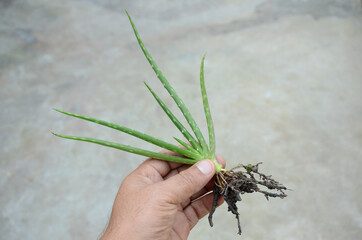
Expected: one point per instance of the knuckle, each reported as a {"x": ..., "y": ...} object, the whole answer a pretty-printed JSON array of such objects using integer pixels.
[{"x": 188, "y": 179}]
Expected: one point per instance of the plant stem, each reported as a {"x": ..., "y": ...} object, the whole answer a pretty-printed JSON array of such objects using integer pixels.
[{"x": 218, "y": 166}]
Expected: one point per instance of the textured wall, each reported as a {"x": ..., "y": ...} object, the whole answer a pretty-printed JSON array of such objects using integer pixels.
[{"x": 284, "y": 82}]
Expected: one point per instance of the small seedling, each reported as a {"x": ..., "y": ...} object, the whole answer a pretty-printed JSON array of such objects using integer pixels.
[{"x": 228, "y": 184}]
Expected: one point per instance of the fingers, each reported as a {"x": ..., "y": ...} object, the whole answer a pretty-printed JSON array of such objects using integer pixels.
[
  {"x": 176, "y": 171},
  {"x": 220, "y": 160},
  {"x": 210, "y": 185},
  {"x": 164, "y": 167},
  {"x": 182, "y": 186},
  {"x": 181, "y": 168},
  {"x": 201, "y": 207},
  {"x": 158, "y": 166}
]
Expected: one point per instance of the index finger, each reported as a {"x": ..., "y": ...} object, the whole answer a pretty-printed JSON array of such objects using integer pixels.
[{"x": 162, "y": 167}]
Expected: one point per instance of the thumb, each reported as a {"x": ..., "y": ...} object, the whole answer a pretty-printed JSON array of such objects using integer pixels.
[{"x": 183, "y": 185}]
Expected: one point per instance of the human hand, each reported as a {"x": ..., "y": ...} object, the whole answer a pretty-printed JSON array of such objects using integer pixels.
[{"x": 162, "y": 200}]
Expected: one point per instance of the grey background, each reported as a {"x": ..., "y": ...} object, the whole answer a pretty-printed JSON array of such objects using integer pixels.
[{"x": 284, "y": 82}]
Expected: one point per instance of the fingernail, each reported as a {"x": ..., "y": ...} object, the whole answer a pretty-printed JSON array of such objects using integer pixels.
[{"x": 205, "y": 166}]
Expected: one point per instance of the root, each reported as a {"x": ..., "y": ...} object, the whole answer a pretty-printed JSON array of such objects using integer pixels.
[
  {"x": 231, "y": 184},
  {"x": 214, "y": 203}
]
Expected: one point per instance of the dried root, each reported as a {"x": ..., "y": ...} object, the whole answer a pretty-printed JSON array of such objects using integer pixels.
[{"x": 231, "y": 184}]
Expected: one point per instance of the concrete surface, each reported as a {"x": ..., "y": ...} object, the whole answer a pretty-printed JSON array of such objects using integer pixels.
[{"x": 284, "y": 82}]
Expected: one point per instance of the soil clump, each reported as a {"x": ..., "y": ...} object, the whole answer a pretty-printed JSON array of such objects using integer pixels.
[{"x": 232, "y": 184}]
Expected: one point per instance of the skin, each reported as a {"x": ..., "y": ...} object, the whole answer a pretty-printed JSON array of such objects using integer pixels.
[{"x": 162, "y": 200}]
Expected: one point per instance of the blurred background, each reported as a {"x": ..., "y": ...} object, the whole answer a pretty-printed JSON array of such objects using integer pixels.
[{"x": 284, "y": 85}]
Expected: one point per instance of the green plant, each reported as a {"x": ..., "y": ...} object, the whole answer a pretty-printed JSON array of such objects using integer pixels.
[{"x": 229, "y": 184}]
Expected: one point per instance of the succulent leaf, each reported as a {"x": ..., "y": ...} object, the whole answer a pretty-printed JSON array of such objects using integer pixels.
[
  {"x": 143, "y": 136},
  {"x": 198, "y": 149},
  {"x": 186, "y": 146},
  {"x": 131, "y": 149},
  {"x": 210, "y": 125},
  {"x": 170, "y": 89},
  {"x": 177, "y": 123}
]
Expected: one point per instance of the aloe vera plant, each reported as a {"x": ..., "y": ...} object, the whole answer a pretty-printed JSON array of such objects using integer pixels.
[{"x": 229, "y": 184}]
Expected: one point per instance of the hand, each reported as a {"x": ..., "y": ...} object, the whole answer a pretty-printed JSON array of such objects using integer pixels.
[{"x": 162, "y": 200}]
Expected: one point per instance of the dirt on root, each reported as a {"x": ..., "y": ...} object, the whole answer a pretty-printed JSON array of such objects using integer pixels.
[{"x": 232, "y": 184}]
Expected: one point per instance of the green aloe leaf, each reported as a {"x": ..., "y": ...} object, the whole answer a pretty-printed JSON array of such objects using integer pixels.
[
  {"x": 198, "y": 149},
  {"x": 170, "y": 89},
  {"x": 177, "y": 123},
  {"x": 137, "y": 134},
  {"x": 205, "y": 101},
  {"x": 131, "y": 149},
  {"x": 185, "y": 145}
]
